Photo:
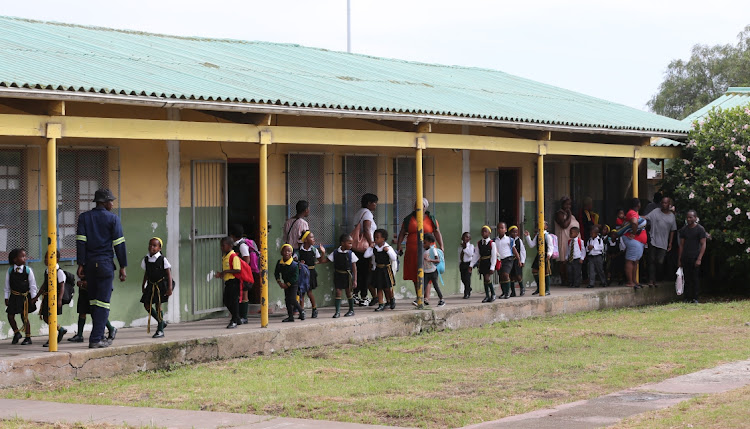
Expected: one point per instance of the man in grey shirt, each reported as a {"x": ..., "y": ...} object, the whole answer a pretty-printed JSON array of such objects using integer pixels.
[{"x": 663, "y": 227}]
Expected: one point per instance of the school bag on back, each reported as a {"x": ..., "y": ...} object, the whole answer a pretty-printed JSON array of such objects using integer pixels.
[
  {"x": 303, "y": 281},
  {"x": 554, "y": 245},
  {"x": 440, "y": 256},
  {"x": 69, "y": 288},
  {"x": 254, "y": 255},
  {"x": 246, "y": 274}
]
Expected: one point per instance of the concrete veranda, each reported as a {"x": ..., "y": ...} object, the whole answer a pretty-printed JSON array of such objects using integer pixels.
[{"x": 194, "y": 342}]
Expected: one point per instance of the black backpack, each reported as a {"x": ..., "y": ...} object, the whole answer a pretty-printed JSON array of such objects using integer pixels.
[{"x": 69, "y": 289}]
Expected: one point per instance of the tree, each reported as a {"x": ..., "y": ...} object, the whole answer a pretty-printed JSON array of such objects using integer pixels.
[
  {"x": 713, "y": 178},
  {"x": 710, "y": 71}
]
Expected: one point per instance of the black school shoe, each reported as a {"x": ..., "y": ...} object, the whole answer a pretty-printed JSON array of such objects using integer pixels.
[
  {"x": 381, "y": 307},
  {"x": 336, "y": 315},
  {"x": 232, "y": 325},
  {"x": 393, "y": 303},
  {"x": 26, "y": 341},
  {"x": 315, "y": 313},
  {"x": 349, "y": 313},
  {"x": 288, "y": 319},
  {"x": 100, "y": 345},
  {"x": 60, "y": 334},
  {"x": 16, "y": 338},
  {"x": 158, "y": 334},
  {"x": 112, "y": 334},
  {"x": 243, "y": 322},
  {"x": 302, "y": 315},
  {"x": 76, "y": 338}
]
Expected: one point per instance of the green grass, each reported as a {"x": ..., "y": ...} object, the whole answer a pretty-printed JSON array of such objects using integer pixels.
[
  {"x": 720, "y": 411},
  {"x": 444, "y": 379},
  {"x": 17, "y": 423}
]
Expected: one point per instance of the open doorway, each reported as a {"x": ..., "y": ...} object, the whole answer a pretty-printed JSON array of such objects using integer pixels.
[
  {"x": 243, "y": 207},
  {"x": 509, "y": 196}
]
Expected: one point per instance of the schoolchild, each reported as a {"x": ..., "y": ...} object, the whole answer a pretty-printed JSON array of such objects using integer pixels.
[
  {"x": 83, "y": 308},
  {"x": 243, "y": 250},
  {"x": 44, "y": 309},
  {"x": 382, "y": 277},
  {"x": 465, "y": 255},
  {"x": 20, "y": 294},
  {"x": 431, "y": 275},
  {"x": 516, "y": 273},
  {"x": 345, "y": 273},
  {"x": 547, "y": 250},
  {"x": 595, "y": 257},
  {"x": 230, "y": 271},
  {"x": 485, "y": 258},
  {"x": 615, "y": 259},
  {"x": 507, "y": 254},
  {"x": 692, "y": 248},
  {"x": 309, "y": 255},
  {"x": 287, "y": 276},
  {"x": 157, "y": 284},
  {"x": 576, "y": 256}
]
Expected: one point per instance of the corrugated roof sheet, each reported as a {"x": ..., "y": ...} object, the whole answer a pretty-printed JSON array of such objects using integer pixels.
[
  {"x": 66, "y": 57},
  {"x": 735, "y": 96}
]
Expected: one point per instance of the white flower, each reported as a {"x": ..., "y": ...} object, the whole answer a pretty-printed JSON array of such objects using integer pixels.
[
  {"x": 747, "y": 250},
  {"x": 748, "y": 215},
  {"x": 740, "y": 240},
  {"x": 729, "y": 205},
  {"x": 691, "y": 196},
  {"x": 708, "y": 200},
  {"x": 711, "y": 166},
  {"x": 737, "y": 211},
  {"x": 729, "y": 218}
]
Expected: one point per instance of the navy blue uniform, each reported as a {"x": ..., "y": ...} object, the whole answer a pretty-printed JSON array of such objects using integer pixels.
[{"x": 99, "y": 238}]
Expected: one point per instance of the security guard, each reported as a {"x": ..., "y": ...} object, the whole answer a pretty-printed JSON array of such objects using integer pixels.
[{"x": 99, "y": 233}]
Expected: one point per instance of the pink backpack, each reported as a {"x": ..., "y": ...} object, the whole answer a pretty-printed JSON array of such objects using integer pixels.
[
  {"x": 254, "y": 255},
  {"x": 554, "y": 246}
]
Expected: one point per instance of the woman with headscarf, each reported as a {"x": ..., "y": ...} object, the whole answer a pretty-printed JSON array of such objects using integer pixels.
[
  {"x": 409, "y": 231},
  {"x": 564, "y": 221}
]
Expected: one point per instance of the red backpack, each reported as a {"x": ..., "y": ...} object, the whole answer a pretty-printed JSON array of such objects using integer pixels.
[{"x": 246, "y": 274}]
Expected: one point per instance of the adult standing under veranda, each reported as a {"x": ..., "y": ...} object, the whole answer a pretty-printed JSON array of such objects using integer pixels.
[
  {"x": 564, "y": 221},
  {"x": 409, "y": 231},
  {"x": 99, "y": 237},
  {"x": 365, "y": 217},
  {"x": 692, "y": 248},
  {"x": 635, "y": 242},
  {"x": 296, "y": 225},
  {"x": 663, "y": 227}
]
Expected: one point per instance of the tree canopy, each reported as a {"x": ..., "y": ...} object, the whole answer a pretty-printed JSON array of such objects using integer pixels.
[{"x": 710, "y": 71}]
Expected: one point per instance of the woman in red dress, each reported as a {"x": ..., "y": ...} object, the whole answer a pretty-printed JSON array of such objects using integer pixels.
[{"x": 409, "y": 231}]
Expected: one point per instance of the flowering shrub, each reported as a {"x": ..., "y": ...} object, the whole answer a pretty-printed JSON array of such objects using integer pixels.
[{"x": 713, "y": 178}]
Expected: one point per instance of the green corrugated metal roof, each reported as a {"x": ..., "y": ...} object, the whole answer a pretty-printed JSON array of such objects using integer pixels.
[
  {"x": 735, "y": 96},
  {"x": 66, "y": 57}
]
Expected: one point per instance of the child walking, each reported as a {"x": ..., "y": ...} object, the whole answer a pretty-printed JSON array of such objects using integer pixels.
[
  {"x": 595, "y": 258},
  {"x": 157, "y": 284},
  {"x": 345, "y": 273},
  {"x": 382, "y": 278},
  {"x": 431, "y": 277},
  {"x": 516, "y": 273},
  {"x": 309, "y": 255},
  {"x": 20, "y": 294},
  {"x": 507, "y": 254},
  {"x": 465, "y": 255},
  {"x": 44, "y": 310},
  {"x": 485, "y": 259},
  {"x": 547, "y": 251},
  {"x": 242, "y": 249},
  {"x": 576, "y": 256},
  {"x": 287, "y": 276},
  {"x": 83, "y": 308},
  {"x": 230, "y": 271}
]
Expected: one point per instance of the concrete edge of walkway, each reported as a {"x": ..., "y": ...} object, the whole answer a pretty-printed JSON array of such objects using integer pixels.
[{"x": 126, "y": 359}]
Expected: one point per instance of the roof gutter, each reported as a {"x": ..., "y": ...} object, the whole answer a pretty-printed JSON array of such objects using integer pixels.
[{"x": 135, "y": 100}]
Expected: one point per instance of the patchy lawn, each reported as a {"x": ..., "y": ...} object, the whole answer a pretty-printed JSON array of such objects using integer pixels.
[{"x": 444, "y": 379}]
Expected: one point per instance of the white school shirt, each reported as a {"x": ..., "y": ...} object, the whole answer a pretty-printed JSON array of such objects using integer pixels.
[
  {"x": 577, "y": 243},
  {"x": 244, "y": 248},
  {"x": 315, "y": 250},
  {"x": 522, "y": 251},
  {"x": 371, "y": 252},
  {"x": 598, "y": 246},
  {"x": 429, "y": 267},
  {"x": 32, "y": 281},
  {"x": 61, "y": 277},
  {"x": 468, "y": 253},
  {"x": 153, "y": 259},
  {"x": 504, "y": 247},
  {"x": 532, "y": 243},
  {"x": 354, "y": 257},
  {"x": 493, "y": 254}
]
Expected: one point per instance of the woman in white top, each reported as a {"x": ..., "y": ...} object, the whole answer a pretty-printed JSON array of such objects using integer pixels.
[{"x": 365, "y": 216}]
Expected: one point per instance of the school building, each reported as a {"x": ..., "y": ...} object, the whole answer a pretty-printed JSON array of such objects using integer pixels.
[{"x": 189, "y": 132}]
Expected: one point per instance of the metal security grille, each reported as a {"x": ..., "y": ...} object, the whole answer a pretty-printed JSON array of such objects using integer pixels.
[
  {"x": 208, "y": 198},
  {"x": 80, "y": 172},
  {"x": 405, "y": 187},
  {"x": 20, "y": 224},
  {"x": 306, "y": 176},
  {"x": 491, "y": 194},
  {"x": 360, "y": 177}
]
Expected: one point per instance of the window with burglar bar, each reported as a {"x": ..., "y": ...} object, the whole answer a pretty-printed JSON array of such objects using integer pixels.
[
  {"x": 15, "y": 218},
  {"x": 306, "y": 178}
]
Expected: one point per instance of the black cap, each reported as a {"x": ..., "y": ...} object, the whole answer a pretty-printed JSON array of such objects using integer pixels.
[{"x": 103, "y": 195}]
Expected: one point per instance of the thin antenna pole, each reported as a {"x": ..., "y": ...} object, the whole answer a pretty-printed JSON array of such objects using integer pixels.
[{"x": 348, "y": 25}]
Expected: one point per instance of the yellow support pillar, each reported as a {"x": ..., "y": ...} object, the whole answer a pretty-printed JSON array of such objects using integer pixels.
[
  {"x": 53, "y": 133},
  {"x": 419, "y": 208},
  {"x": 540, "y": 224},
  {"x": 636, "y": 164},
  {"x": 265, "y": 140}
]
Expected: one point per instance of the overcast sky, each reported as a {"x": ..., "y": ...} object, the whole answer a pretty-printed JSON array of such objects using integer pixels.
[{"x": 616, "y": 50}]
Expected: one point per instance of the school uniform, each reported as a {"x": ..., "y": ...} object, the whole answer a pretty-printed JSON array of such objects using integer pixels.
[
  {"x": 595, "y": 260},
  {"x": 504, "y": 246},
  {"x": 155, "y": 292},
  {"x": 576, "y": 256},
  {"x": 465, "y": 255},
  {"x": 309, "y": 257},
  {"x": 485, "y": 259},
  {"x": 615, "y": 258},
  {"x": 61, "y": 277},
  {"x": 20, "y": 288},
  {"x": 231, "y": 261},
  {"x": 516, "y": 272},
  {"x": 547, "y": 251},
  {"x": 382, "y": 266},
  {"x": 430, "y": 270},
  {"x": 342, "y": 276},
  {"x": 288, "y": 273}
]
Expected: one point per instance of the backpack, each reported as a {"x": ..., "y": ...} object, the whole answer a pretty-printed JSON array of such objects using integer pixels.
[
  {"x": 254, "y": 255},
  {"x": 553, "y": 244},
  {"x": 303, "y": 281},
  {"x": 69, "y": 288},
  {"x": 441, "y": 264},
  {"x": 246, "y": 274}
]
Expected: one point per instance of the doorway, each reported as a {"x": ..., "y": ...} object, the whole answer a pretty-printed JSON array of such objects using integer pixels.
[
  {"x": 508, "y": 196},
  {"x": 243, "y": 206}
]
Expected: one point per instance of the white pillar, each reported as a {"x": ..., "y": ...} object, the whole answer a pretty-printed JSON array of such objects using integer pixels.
[
  {"x": 465, "y": 186},
  {"x": 173, "y": 218}
]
